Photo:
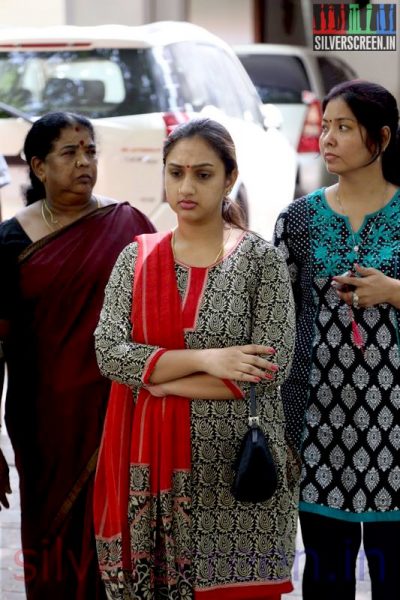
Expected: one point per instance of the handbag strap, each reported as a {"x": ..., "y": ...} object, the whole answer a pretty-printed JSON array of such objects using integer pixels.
[{"x": 254, "y": 420}]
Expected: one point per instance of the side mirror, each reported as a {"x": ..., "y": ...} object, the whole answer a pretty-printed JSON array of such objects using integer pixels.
[{"x": 272, "y": 116}]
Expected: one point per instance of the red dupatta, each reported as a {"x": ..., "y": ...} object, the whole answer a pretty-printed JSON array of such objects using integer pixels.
[{"x": 142, "y": 495}]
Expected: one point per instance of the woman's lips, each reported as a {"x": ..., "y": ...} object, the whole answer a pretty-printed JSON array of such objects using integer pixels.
[
  {"x": 187, "y": 204},
  {"x": 85, "y": 179}
]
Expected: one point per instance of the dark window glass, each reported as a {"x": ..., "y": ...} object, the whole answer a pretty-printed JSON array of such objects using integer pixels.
[
  {"x": 278, "y": 78},
  {"x": 333, "y": 71},
  {"x": 113, "y": 82},
  {"x": 97, "y": 83}
]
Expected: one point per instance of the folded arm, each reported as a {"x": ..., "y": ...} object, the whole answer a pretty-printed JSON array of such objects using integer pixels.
[{"x": 135, "y": 365}]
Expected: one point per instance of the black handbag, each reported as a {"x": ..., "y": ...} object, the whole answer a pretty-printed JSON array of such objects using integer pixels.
[{"x": 256, "y": 477}]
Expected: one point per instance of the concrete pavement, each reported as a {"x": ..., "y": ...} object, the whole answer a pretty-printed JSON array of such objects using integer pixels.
[{"x": 11, "y": 573}]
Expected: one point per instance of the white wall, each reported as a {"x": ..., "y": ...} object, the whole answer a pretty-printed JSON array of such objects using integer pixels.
[
  {"x": 232, "y": 20},
  {"x": 30, "y": 13},
  {"x": 127, "y": 12},
  {"x": 99, "y": 12}
]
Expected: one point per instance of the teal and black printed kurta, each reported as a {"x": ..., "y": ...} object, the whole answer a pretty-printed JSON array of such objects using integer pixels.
[{"x": 350, "y": 441}]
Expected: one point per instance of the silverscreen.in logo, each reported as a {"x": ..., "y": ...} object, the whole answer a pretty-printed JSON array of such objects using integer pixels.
[{"x": 354, "y": 27}]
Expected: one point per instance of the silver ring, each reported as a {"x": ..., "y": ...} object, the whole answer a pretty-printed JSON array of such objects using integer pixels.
[
  {"x": 355, "y": 300},
  {"x": 77, "y": 164}
]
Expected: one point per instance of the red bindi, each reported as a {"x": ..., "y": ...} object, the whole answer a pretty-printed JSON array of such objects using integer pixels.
[
  {"x": 188, "y": 167},
  {"x": 77, "y": 129},
  {"x": 82, "y": 142}
]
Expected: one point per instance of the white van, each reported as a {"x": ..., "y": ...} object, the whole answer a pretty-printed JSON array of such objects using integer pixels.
[
  {"x": 296, "y": 79},
  {"x": 136, "y": 84}
]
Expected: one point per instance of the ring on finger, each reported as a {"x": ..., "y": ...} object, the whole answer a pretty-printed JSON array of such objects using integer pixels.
[{"x": 355, "y": 300}]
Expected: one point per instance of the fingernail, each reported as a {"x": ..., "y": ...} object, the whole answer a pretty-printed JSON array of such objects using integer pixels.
[
  {"x": 268, "y": 376},
  {"x": 272, "y": 351},
  {"x": 274, "y": 368},
  {"x": 257, "y": 379}
]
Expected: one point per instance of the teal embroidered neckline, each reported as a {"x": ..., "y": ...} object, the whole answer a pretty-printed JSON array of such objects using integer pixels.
[{"x": 333, "y": 241}]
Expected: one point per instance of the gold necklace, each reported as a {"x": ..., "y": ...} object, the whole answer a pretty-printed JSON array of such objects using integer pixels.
[
  {"x": 55, "y": 223},
  {"x": 356, "y": 245},
  {"x": 220, "y": 252}
]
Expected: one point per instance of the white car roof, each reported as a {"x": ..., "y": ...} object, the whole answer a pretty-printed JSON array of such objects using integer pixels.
[
  {"x": 106, "y": 36},
  {"x": 272, "y": 49}
]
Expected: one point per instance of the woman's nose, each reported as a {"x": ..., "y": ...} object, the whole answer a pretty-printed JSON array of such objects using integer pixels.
[
  {"x": 329, "y": 137},
  {"x": 186, "y": 186},
  {"x": 83, "y": 158}
]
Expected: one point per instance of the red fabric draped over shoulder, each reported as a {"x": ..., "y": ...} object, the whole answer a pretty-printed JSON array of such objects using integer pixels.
[{"x": 154, "y": 434}]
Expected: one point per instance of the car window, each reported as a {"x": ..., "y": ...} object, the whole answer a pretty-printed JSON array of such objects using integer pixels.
[
  {"x": 206, "y": 75},
  {"x": 278, "y": 78},
  {"x": 113, "y": 82},
  {"x": 333, "y": 71},
  {"x": 97, "y": 83}
]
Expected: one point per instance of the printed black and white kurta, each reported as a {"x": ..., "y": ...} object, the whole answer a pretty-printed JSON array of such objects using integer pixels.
[
  {"x": 246, "y": 297},
  {"x": 351, "y": 436}
]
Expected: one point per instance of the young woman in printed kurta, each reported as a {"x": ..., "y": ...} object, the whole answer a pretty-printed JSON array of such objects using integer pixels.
[
  {"x": 210, "y": 302},
  {"x": 347, "y": 348}
]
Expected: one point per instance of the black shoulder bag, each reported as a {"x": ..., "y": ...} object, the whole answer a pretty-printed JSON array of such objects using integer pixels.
[{"x": 256, "y": 478}]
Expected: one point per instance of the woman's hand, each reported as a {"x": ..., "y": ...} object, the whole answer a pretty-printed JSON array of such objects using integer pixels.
[
  {"x": 156, "y": 390},
  {"x": 241, "y": 363},
  {"x": 4, "y": 481},
  {"x": 371, "y": 287}
]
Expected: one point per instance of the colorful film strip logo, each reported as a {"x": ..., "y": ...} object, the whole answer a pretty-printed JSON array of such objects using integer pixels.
[{"x": 354, "y": 26}]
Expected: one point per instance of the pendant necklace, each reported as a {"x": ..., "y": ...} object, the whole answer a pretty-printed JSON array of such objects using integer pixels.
[
  {"x": 220, "y": 252},
  {"x": 54, "y": 223}
]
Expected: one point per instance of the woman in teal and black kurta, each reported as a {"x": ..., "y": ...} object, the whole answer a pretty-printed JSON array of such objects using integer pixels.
[{"x": 347, "y": 348}]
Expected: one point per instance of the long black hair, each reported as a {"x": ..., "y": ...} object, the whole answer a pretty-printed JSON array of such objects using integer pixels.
[
  {"x": 374, "y": 107},
  {"x": 40, "y": 141},
  {"x": 220, "y": 140}
]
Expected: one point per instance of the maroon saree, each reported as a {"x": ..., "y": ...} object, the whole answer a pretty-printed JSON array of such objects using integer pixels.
[{"x": 57, "y": 399}]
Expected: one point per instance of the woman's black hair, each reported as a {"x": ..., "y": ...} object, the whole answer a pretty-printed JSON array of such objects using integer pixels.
[
  {"x": 40, "y": 142},
  {"x": 374, "y": 107},
  {"x": 220, "y": 140}
]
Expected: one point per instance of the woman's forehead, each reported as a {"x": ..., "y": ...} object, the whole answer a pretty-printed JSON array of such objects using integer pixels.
[
  {"x": 74, "y": 134},
  {"x": 191, "y": 151}
]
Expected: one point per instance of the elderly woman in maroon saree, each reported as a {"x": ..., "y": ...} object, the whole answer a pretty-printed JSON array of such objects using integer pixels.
[{"x": 56, "y": 396}]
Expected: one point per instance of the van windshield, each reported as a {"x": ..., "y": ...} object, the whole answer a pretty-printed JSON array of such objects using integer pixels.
[
  {"x": 97, "y": 83},
  {"x": 280, "y": 79}
]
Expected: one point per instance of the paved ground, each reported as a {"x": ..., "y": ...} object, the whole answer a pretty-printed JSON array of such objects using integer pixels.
[
  {"x": 11, "y": 574},
  {"x": 11, "y": 579}
]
